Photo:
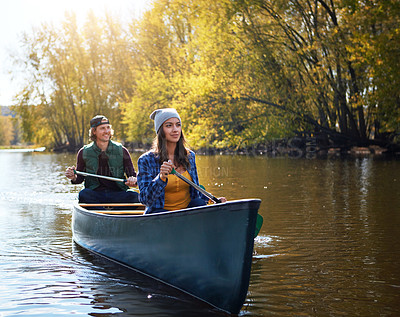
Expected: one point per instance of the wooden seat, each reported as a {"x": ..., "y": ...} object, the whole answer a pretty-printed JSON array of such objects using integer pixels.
[{"x": 109, "y": 208}]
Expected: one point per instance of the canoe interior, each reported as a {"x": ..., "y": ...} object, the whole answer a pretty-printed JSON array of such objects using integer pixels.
[{"x": 203, "y": 251}]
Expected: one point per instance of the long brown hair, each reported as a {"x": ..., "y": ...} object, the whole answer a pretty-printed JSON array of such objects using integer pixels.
[{"x": 181, "y": 151}]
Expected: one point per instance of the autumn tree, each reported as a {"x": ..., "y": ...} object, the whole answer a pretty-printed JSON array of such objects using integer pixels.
[
  {"x": 322, "y": 59},
  {"x": 75, "y": 73},
  {"x": 240, "y": 73},
  {"x": 6, "y": 130},
  {"x": 191, "y": 59}
]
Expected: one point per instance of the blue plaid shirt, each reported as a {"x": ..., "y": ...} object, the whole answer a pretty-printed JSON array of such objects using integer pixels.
[{"x": 152, "y": 187}]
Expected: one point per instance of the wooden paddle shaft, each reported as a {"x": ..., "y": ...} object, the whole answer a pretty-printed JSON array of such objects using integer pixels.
[
  {"x": 105, "y": 177},
  {"x": 101, "y": 176},
  {"x": 201, "y": 190}
]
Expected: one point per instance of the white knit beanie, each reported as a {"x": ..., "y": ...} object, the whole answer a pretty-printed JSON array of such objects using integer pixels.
[{"x": 161, "y": 115}]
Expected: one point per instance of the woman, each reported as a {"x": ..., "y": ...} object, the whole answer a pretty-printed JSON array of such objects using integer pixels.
[{"x": 160, "y": 190}]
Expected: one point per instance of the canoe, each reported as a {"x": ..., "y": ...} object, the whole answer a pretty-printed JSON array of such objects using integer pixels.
[{"x": 204, "y": 251}]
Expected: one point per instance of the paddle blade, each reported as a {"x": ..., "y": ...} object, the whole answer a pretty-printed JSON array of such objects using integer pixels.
[{"x": 259, "y": 224}]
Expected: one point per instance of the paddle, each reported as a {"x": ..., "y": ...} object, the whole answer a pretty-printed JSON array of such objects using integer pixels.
[
  {"x": 104, "y": 177},
  {"x": 259, "y": 221},
  {"x": 201, "y": 190}
]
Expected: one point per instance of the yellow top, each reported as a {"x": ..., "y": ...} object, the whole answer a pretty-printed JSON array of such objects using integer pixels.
[{"x": 177, "y": 194}]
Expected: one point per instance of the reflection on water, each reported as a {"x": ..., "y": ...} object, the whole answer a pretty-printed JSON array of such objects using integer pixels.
[{"x": 329, "y": 244}]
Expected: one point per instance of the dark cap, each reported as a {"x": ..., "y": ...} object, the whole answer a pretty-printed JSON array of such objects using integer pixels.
[{"x": 98, "y": 120}]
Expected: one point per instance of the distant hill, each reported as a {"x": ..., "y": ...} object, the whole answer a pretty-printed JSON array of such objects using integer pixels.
[{"x": 6, "y": 111}]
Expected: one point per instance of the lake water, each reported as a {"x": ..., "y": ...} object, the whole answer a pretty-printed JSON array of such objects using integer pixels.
[{"x": 329, "y": 246}]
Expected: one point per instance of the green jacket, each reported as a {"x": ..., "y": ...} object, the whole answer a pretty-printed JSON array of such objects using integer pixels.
[{"x": 114, "y": 152}]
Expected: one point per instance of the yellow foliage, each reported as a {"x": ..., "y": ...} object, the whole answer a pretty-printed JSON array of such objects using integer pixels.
[
  {"x": 6, "y": 130},
  {"x": 239, "y": 72}
]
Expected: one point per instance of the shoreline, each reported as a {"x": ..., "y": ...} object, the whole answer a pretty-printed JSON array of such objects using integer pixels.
[
  {"x": 293, "y": 152},
  {"x": 297, "y": 147}
]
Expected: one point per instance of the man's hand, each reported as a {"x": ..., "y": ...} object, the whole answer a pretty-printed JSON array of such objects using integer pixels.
[
  {"x": 131, "y": 181},
  {"x": 70, "y": 173}
]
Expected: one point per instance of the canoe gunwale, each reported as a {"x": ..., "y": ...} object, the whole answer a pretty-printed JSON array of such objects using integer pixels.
[{"x": 164, "y": 214}]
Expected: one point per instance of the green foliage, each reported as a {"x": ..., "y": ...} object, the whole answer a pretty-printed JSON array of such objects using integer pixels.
[
  {"x": 376, "y": 50},
  {"x": 239, "y": 72},
  {"x": 152, "y": 92}
]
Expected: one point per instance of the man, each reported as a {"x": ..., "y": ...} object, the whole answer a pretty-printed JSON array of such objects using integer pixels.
[{"x": 104, "y": 157}]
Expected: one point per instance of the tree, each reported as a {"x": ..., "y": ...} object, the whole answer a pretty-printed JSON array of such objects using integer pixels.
[
  {"x": 375, "y": 48},
  {"x": 313, "y": 51},
  {"x": 6, "y": 130},
  {"x": 75, "y": 74},
  {"x": 239, "y": 72}
]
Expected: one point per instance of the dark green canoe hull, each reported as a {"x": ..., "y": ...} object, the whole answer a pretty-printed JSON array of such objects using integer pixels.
[{"x": 203, "y": 251}]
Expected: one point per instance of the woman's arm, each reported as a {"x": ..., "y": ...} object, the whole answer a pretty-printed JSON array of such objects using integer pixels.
[{"x": 150, "y": 184}]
